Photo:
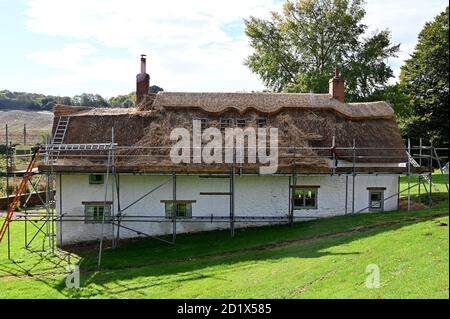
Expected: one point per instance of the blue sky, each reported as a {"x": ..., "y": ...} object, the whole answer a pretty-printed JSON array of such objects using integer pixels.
[{"x": 69, "y": 47}]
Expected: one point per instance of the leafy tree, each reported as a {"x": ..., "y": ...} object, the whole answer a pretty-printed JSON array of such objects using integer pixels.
[
  {"x": 424, "y": 79},
  {"x": 92, "y": 100},
  {"x": 123, "y": 100},
  {"x": 298, "y": 50},
  {"x": 155, "y": 89}
]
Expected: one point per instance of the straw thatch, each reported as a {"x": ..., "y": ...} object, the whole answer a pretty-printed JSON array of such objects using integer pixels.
[{"x": 303, "y": 120}]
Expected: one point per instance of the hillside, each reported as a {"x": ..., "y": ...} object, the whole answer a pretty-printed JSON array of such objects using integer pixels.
[
  {"x": 38, "y": 124},
  {"x": 323, "y": 258}
]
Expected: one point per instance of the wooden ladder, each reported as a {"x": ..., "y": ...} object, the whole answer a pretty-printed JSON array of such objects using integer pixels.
[{"x": 16, "y": 202}]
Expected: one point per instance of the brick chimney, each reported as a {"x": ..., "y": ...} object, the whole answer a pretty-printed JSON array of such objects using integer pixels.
[
  {"x": 142, "y": 81},
  {"x": 337, "y": 86}
]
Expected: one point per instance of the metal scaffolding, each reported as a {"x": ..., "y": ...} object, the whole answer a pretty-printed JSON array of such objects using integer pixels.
[{"x": 45, "y": 223}]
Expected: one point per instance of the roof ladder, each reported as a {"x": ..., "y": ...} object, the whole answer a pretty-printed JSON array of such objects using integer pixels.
[{"x": 60, "y": 133}]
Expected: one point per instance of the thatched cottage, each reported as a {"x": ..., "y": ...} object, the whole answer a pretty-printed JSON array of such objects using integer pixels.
[{"x": 334, "y": 158}]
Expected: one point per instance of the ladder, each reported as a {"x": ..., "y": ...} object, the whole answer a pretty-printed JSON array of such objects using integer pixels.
[
  {"x": 81, "y": 147},
  {"x": 60, "y": 133},
  {"x": 16, "y": 201},
  {"x": 61, "y": 130}
]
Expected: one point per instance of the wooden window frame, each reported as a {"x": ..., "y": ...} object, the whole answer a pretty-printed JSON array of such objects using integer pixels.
[{"x": 305, "y": 188}]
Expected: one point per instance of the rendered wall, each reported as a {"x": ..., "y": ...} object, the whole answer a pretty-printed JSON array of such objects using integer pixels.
[{"x": 254, "y": 196}]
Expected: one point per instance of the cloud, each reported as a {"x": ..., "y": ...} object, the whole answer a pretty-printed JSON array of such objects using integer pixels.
[
  {"x": 405, "y": 19},
  {"x": 192, "y": 45},
  {"x": 186, "y": 41}
]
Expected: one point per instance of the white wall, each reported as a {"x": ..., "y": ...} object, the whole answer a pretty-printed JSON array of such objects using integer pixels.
[
  {"x": 332, "y": 191},
  {"x": 254, "y": 196}
]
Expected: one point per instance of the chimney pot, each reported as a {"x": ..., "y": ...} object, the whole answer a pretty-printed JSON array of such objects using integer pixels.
[{"x": 337, "y": 86}]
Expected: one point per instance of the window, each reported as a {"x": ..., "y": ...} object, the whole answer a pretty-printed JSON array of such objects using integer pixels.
[
  {"x": 241, "y": 123},
  {"x": 183, "y": 209},
  {"x": 376, "y": 200},
  {"x": 96, "y": 179},
  {"x": 94, "y": 212},
  {"x": 224, "y": 123},
  {"x": 305, "y": 197},
  {"x": 203, "y": 123},
  {"x": 261, "y": 121}
]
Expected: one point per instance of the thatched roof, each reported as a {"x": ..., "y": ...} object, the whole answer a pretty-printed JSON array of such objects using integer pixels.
[
  {"x": 268, "y": 103},
  {"x": 303, "y": 120}
]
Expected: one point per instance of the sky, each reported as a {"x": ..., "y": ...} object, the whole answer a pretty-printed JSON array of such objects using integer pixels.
[{"x": 67, "y": 47}]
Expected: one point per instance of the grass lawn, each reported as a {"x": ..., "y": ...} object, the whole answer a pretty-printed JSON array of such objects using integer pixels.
[
  {"x": 439, "y": 181},
  {"x": 315, "y": 259}
]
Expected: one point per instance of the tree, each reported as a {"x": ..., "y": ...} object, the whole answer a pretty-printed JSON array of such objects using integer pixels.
[
  {"x": 298, "y": 50},
  {"x": 154, "y": 89},
  {"x": 424, "y": 79},
  {"x": 124, "y": 101},
  {"x": 92, "y": 100}
]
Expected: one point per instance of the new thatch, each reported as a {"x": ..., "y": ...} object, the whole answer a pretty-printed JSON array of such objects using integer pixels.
[{"x": 303, "y": 121}]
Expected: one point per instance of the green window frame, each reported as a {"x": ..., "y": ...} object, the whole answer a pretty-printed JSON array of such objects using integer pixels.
[
  {"x": 183, "y": 210},
  {"x": 93, "y": 213},
  {"x": 305, "y": 198},
  {"x": 96, "y": 179}
]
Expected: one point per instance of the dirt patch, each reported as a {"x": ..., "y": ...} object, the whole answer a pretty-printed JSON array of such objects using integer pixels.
[{"x": 403, "y": 205}]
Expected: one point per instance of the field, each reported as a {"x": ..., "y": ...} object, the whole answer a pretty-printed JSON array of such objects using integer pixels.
[
  {"x": 38, "y": 125},
  {"x": 315, "y": 259}
]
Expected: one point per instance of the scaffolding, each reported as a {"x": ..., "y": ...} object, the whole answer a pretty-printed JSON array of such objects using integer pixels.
[{"x": 421, "y": 163}]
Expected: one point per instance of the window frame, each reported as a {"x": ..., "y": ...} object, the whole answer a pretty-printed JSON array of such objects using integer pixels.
[
  {"x": 186, "y": 203},
  {"x": 90, "y": 220},
  {"x": 376, "y": 191},
  {"x": 305, "y": 189},
  {"x": 225, "y": 122},
  {"x": 95, "y": 182},
  {"x": 203, "y": 123},
  {"x": 262, "y": 122},
  {"x": 241, "y": 123}
]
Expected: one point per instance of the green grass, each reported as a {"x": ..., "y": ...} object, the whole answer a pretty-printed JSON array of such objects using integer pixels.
[
  {"x": 315, "y": 259},
  {"x": 438, "y": 179}
]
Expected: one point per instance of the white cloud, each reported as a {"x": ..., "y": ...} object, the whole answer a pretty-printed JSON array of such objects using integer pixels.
[
  {"x": 187, "y": 46},
  {"x": 186, "y": 43},
  {"x": 405, "y": 19}
]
